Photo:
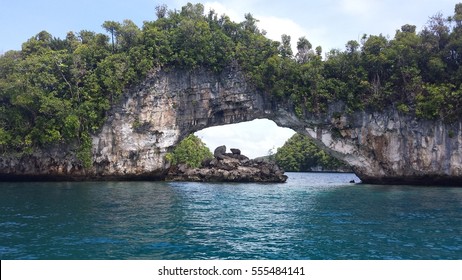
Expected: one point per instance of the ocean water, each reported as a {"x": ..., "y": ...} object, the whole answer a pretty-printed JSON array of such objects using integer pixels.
[{"x": 312, "y": 216}]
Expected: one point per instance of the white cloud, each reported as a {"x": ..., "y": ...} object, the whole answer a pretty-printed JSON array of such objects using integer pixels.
[
  {"x": 363, "y": 8},
  {"x": 276, "y": 27},
  {"x": 220, "y": 9}
]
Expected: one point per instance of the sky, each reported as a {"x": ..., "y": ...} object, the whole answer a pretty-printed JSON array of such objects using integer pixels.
[{"x": 326, "y": 23}]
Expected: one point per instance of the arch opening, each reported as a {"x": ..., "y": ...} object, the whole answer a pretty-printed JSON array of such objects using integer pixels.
[
  {"x": 256, "y": 138},
  {"x": 263, "y": 137}
]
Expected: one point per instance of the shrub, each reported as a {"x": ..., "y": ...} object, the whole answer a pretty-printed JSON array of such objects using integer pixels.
[{"x": 191, "y": 151}]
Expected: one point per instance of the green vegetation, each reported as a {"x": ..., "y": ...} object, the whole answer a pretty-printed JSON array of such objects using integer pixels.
[
  {"x": 299, "y": 154},
  {"x": 191, "y": 151},
  {"x": 58, "y": 91}
]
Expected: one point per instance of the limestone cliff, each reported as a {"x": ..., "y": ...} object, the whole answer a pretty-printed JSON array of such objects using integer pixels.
[
  {"x": 147, "y": 124},
  {"x": 385, "y": 147},
  {"x": 392, "y": 148},
  {"x": 167, "y": 107}
]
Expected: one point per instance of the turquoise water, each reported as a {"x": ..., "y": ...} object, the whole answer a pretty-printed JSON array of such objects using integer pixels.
[{"x": 312, "y": 216}]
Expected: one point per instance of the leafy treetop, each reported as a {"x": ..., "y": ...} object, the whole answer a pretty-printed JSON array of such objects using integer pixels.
[
  {"x": 299, "y": 154},
  {"x": 190, "y": 151}
]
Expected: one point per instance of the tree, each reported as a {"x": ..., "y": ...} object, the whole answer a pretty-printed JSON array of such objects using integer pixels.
[
  {"x": 352, "y": 46},
  {"x": 250, "y": 24},
  {"x": 128, "y": 34},
  {"x": 161, "y": 11},
  {"x": 112, "y": 27},
  {"x": 285, "y": 49},
  {"x": 304, "y": 50},
  {"x": 39, "y": 43},
  {"x": 192, "y": 11},
  {"x": 375, "y": 63},
  {"x": 192, "y": 42},
  {"x": 319, "y": 51},
  {"x": 190, "y": 151},
  {"x": 115, "y": 73},
  {"x": 157, "y": 44},
  {"x": 299, "y": 154}
]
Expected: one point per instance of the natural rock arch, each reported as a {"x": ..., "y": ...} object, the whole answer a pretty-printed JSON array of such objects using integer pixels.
[
  {"x": 385, "y": 147},
  {"x": 169, "y": 106},
  {"x": 381, "y": 147}
]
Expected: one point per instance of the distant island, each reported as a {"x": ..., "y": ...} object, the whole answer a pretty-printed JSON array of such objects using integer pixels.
[{"x": 300, "y": 154}]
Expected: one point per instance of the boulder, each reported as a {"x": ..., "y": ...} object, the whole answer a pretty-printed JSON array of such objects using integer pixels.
[
  {"x": 220, "y": 152},
  {"x": 230, "y": 167},
  {"x": 235, "y": 151}
]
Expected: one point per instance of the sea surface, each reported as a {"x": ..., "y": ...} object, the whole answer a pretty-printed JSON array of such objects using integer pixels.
[{"x": 312, "y": 216}]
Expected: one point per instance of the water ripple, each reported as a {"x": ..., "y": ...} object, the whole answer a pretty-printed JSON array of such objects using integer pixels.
[{"x": 312, "y": 216}]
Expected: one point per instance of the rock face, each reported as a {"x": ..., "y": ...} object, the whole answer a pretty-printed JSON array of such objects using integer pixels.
[
  {"x": 170, "y": 106},
  {"x": 149, "y": 121},
  {"x": 229, "y": 167},
  {"x": 386, "y": 147},
  {"x": 57, "y": 163},
  {"x": 391, "y": 148}
]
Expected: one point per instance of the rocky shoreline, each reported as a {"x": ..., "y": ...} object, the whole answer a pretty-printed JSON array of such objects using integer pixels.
[{"x": 229, "y": 167}]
